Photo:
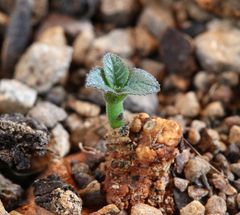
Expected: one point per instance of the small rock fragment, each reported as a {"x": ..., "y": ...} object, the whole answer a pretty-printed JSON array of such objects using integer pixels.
[
  {"x": 84, "y": 109},
  {"x": 144, "y": 209},
  {"x": 203, "y": 80},
  {"x": 15, "y": 96},
  {"x": 56, "y": 95},
  {"x": 17, "y": 36},
  {"x": 107, "y": 43},
  {"x": 221, "y": 8},
  {"x": 234, "y": 135},
  {"x": 181, "y": 183},
  {"x": 109, "y": 209},
  {"x": 147, "y": 104},
  {"x": 53, "y": 36},
  {"x": 92, "y": 195},
  {"x": 235, "y": 168},
  {"x": 23, "y": 142},
  {"x": 61, "y": 140},
  {"x": 216, "y": 205},
  {"x": 217, "y": 49},
  {"x": 177, "y": 53},
  {"x": 118, "y": 13},
  {"x": 188, "y": 104},
  {"x": 10, "y": 193},
  {"x": 42, "y": 66},
  {"x": 47, "y": 113},
  {"x": 145, "y": 43},
  {"x": 81, "y": 174},
  {"x": 82, "y": 44},
  {"x": 230, "y": 78},
  {"x": 221, "y": 183},
  {"x": 197, "y": 193},
  {"x": 84, "y": 8},
  {"x": 182, "y": 159},
  {"x": 2, "y": 209},
  {"x": 193, "y": 136},
  {"x": 214, "y": 110},
  {"x": 193, "y": 208},
  {"x": 195, "y": 168},
  {"x": 156, "y": 20},
  {"x": 57, "y": 196}
]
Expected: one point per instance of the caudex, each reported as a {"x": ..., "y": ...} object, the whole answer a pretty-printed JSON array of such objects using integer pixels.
[
  {"x": 117, "y": 81},
  {"x": 137, "y": 166}
]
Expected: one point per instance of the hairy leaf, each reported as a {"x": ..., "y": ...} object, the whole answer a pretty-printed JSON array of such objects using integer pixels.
[
  {"x": 115, "y": 70},
  {"x": 95, "y": 79},
  {"x": 140, "y": 83}
]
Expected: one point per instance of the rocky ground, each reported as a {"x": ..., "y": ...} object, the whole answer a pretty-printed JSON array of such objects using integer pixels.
[{"x": 53, "y": 129}]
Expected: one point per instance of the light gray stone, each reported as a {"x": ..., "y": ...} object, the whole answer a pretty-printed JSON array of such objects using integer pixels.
[
  {"x": 42, "y": 66},
  {"x": 16, "y": 96},
  {"x": 47, "y": 113}
]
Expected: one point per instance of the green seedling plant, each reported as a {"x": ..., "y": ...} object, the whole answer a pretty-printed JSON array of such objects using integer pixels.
[{"x": 117, "y": 81}]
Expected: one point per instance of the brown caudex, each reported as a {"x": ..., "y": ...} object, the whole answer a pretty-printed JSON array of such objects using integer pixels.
[{"x": 139, "y": 161}]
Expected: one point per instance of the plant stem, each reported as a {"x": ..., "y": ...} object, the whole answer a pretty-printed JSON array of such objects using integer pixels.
[{"x": 115, "y": 113}]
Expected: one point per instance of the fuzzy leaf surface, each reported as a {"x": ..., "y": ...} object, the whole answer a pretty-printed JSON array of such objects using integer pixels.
[
  {"x": 115, "y": 70},
  {"x": 96, "y": 79},
  {"x": 140, "y": 83}
]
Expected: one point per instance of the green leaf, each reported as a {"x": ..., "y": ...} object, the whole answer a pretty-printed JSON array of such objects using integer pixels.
[
  {"x": 115, "y": 70},
  {"x": 95, "y": 79},
  {"x": 141, "y": 83}
]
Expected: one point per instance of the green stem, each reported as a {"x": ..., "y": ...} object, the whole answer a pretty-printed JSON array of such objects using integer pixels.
[{"x": 115, "y": 114}]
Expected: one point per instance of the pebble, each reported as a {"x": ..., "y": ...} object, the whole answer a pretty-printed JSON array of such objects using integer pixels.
[
  {"x": 144, "y": 209},
  {"x": 223, "y": 185},
  {"x": 198, "y": 125},
  {"x": 203, "y": 80},
  {"x": 83, "y": 108},
  {"x": 193, "y": 208},
  {"x": 2, "y": 209},
  {"x": 214, "y": 110},
  {"x": 218, "y": 48},
  {"x": 17, "y": 36},
  {"x": 197, "y": 193},
  {"x": 235, "y": 168},
  {"x": 53, "y": 36},
  {"x": 107, "y": 43},
  {"x": 110, "y": 209},
  {"x": 216, "y": 205},
  {"x": 154, "y": 67},
  {"x": 10, "y": 193},
  {"x": 181, "y": 183},
  {"x": 145, "y": 43},
  {"x": 193, "y": 136},
  {"x": 118, "y": 13},
  {"x": 42, "y": 66},
  {"x": 156, "y": 20},
  {"x": 179, "y": 58},
  {"x": 72, "y": 27},
  {"x": 147, "y": 104},
  {"x": 234, "y": 135},
  {"x": 16, "y": 96},
  {"x": 229, "y": 78},
  {"x": 61, "y": 140},
  {"x": 48, "y": 114},
  {"x": 92, "y": 195},
  {"x": 222, "y": 93},
  {"x": 188, "y": 104},
  {"x": 182, "y": 159},
  {"x": 195, "y": 168},
  {"x": 82, "y": 44},
  {"x": 76, "y": 7},
  {"x": 56, "y": 95}
]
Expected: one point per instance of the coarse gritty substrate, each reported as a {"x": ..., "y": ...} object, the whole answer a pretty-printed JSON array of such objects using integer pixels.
[{"x": 139, "y": 161}]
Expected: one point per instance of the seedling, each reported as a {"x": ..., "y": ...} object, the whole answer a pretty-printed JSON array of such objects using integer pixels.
[{"x": 117, "y": 81}]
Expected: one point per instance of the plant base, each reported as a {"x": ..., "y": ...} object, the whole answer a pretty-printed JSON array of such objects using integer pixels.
[{"x": 139, "y": 161}]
